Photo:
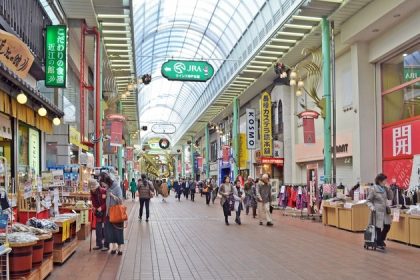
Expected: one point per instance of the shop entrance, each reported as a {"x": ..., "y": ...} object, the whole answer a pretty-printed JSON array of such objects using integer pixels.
[{"x": 224, "y": 172}]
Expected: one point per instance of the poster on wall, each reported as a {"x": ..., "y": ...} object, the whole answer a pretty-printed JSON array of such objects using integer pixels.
[
  {"x": 251, "y": 138},
  {"x": 266, "y": 128},
  {"x": 243, "y": 151},
  {"x": 34, "y": 150},
  {"x": 226, "y": 153},
  {"x": 278, "y": 149}
]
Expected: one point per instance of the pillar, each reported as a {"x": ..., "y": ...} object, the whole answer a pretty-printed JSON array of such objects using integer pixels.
[
  {"x": 326, "y": 78},
  {"x": 207, "y": 152},
  {"x": 120, "y": 151},
  {"x": 183, "y": 161},
  {"x": 192, "y": 159},
  {"x": 235, "y": 136},
  {"x": 100, "y": 143}
]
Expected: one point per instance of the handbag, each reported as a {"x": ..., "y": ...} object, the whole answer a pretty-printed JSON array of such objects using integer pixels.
[
  {"x": 388, "y": 210},
  {"x": 231, "y": 200},
  {"x": 118, "y": 214}
]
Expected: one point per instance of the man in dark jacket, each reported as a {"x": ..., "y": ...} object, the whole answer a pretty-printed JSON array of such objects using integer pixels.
[
  {"x": 146, "y": 192},
  {"x": 98, "y": 198},
  {"x": 192, "y": 185},
  {"x": 177, "y": 188}
]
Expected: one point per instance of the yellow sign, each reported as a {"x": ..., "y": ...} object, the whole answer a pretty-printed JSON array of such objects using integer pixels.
[
  {"x": 74, "y": 138},
  {"x": 243, "y": 151},
  {"x": 266, "y": 128},
  {"x": 15, "y": 54}
]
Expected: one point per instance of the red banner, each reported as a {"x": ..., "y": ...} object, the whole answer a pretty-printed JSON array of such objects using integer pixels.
[
  {"x": 129, "y": 154},
  {"x": 116, "y": 133},
  {"x": 309, "y": 130},
  {"x": 200, "y": 163},
  {"x": 399, "y": 144},
  {"x": 226, "y": 153}
]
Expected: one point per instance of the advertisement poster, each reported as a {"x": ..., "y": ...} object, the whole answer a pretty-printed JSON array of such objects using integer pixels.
[
  {"x": 266, "y": 128},
  {"x": 58, "y": 178},
  {"x": 34, "y": 150},
  {"x": 27, "y": 190},
  {"x": 225, "y": 154},
  {"x": 243, "y": 151}
]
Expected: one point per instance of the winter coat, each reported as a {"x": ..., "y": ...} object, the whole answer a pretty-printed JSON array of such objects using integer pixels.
[
  {"x": 225, "y": 191},
  {"x": 133, "y": 186},
  {"x": 98, "y": 198},
  {"x": 164, "y": 189},
  {"x": 116, "y": 191},
  {"x": 238, "y": 196},
  {"x": 145, "y": 189},
  {"x": 377, "y": 200}
]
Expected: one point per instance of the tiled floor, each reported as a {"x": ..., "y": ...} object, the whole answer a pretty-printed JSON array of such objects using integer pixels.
[{"x": 186, "y": 240}]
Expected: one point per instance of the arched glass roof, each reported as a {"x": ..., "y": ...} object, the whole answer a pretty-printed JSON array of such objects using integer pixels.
[{"x": 183, "y": 29}]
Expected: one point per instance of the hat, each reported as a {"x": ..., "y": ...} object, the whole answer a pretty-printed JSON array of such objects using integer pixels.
[{"x": 93, "y": 184}]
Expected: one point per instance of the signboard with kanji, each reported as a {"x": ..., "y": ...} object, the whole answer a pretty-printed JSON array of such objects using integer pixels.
[
  {"x": 266, "y": 128},
  {"x": 15, "y": 54},
  {"x": 187, "y": 70},
  {"x": 56, "y": 56}
]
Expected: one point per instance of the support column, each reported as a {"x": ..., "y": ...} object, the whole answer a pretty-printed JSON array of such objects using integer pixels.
[
  {"x": 101, "y": 112},
  {"x": 120, "y": 150},
  {"x": 326, "y": 76},
  {"x": 235, "y": 136},
  {"x": 192, "y": 158},
  {"x": 183, "y": 161},
  {"x": 207, "y": 152}
]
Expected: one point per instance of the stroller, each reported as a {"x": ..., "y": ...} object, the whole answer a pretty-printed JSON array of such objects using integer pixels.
[{"x": 370, "y": 234}]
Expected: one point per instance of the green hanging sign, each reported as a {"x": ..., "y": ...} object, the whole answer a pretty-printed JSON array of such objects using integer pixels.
[
  {"x": 56, "y": 56},
  {"x": 187, "y": 70}
]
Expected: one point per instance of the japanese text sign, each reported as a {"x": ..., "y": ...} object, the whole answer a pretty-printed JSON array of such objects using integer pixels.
[
  {"x": 187, "y": 70},
  {"x": 266, "y": 128},
  {"x": 15, "y": 54},
  {"x": 56, "y": 56},
  {"x": 250, "y": 129},
  {"x": 399, "y": 140}
]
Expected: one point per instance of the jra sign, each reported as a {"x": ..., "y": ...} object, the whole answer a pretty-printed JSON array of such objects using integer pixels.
[
  {"x": 250, "y": 129},
  {"x": 186, "y": 70}
]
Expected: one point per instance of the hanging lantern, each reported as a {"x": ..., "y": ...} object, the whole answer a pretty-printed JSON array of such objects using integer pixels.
[
  {"x": 22, "y": 98},
  {"x": 56, "y": 121},
  {"x": 293, "y": 75},
  {"x": 42, "y": 112},
  {"x": 292, "y": 82},
  {"x": 298, "y": 92},
  {"x": 300, "y": 84}
]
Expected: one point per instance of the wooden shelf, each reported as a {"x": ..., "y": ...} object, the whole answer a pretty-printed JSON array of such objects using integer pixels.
[{"x": 60, "y": 255}]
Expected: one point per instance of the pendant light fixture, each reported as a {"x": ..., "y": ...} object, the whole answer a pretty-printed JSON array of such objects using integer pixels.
[
  {"x": 42, "y": 111},
  {"x": 56, "y": 121},
  {"x": 22, "y": 98}
]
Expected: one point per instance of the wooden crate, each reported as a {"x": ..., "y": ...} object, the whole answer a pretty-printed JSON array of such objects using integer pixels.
[
  {"x": 46, "y": 268},
  {"x": 414, "y": 224},
  {"x": 84, "y": 232},
  {"x": 62, "y": 254}
]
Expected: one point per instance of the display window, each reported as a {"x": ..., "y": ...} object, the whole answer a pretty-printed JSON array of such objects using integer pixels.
[{"x": 401, "y": 116}]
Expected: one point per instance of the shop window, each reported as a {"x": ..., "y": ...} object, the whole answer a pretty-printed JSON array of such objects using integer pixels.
[{"x": 400, "y": 86}]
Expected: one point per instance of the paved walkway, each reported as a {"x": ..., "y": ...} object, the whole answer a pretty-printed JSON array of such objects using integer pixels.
[{"x": 188, "y": 240}]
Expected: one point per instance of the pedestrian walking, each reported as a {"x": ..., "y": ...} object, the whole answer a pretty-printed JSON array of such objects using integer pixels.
[
  {"x": 170, "y": 185},
  {"x": 207, "y": 191},
  {"x": 193, "y": 185},
  {"x": 186, "y": 188},
  {"x": 377, "y": 202},
  {"x": 227, "y": 199},
  {"x": 250, "y": 200},
  {"x": 215, "y": 190},
  {"x": 178, "y": 191},
  {"x": 239, "y": 196},
  {"x": 164, "y": 190},
  {"x": 264, "y": 200},
  {"x": 146, "y": 192},
  {"x": 114, "y": 232},
  {"x": 98, "y": 198},
  {"x": 133, "y": 189}
]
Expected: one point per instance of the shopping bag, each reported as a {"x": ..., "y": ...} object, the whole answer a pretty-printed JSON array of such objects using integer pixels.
[{"x": 118, "y": 214}]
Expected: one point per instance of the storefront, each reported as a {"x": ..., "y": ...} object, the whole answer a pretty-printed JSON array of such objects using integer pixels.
[{"x": 401, "y": 117}]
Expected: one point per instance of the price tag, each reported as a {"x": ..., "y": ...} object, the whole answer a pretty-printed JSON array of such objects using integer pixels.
[
  {"x": 396, "y": 215},
  {"x": 39, "y": 184},
  {"x": 27, "y": 190}
]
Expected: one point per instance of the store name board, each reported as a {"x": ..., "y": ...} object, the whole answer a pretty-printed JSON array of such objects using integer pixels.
[
  {"x": 55, "y": 56},
  {"x": 250, "y": 129},
  {"x": 266, "y": 128},
  {"x": 74, "y": 138},
  {"x": 34, "y": 150},
  {"x": 187, "y": 70},
  {"x": 272, "y": 160},
  {"x": 343, "y": 148},
  {"x": 15, "y": 54}
]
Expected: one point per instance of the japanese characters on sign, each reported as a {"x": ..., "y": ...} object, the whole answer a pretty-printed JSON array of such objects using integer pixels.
[
  {"x": 250, "y": 129},
  {"x": 186, "y": 70},
  {"x": 15, "y": 54},
  {"x": 56, "y": 56},
  {"x": 266, "y": 128},
  {"x": 34, "y": 150},
  {"x": 401, "y": 140}
]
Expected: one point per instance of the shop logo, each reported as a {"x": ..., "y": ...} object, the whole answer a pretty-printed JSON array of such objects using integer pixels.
[{"x": 401, "y": 140}]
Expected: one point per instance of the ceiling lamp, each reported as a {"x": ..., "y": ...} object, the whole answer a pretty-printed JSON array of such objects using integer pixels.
[
  {"x": 298, "y": 92},
  {"x": 130, "y": 87},
  {"x": 56, "y": 121},
  {"x": 42, "y": 112},
  {"x": 293, "y": 75},
  {"x": 22, "y": 98},
  {"x": 300, "y": 84},
  {"x": 127, "y": 93},
  {"x": 292, "y": 82},
  {"x": 123, "y": 96}
]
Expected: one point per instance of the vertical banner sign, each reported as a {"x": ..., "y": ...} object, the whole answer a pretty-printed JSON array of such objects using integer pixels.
[
  {"x": 225, "y": 154},
  {"x": 309, "y": 131},
  {"x": 34, "y": 150},
  {"x": 116, "y": 134},
  {"x": 55, "y": 56},
  {"x": 250, "y": 129},
  {"x": 243, "y": 151},
  {"x": 266, "y": 128}
]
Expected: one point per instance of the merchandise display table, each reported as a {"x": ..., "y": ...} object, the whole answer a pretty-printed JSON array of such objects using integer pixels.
[
  {"x": 406, "y": 230},
  {"x": 65, "y": 240},
  {"x": 20, "y": 259},
  {"x": 354, "y": 218}
]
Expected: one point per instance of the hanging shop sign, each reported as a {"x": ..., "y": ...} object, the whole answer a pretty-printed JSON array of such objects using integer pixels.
[
  {"x": 266, "y": 128},
  {"x": 278, "y": 149},
  {"x": 243, "y": 151},
  {"x": 34, "y": 150},
  {"x": 116, "y": 133},
  {"x": 15, "y": 54},
  {"x": 74, "y": 138},
  {"x": 164, "y": 143},
  {"x": 55, "y": 56},
  {"x": 225, "y": 154},
  {"x": 251, "y": 138},
  {"x": 187, "y": 70},
  {"x": 129, "y": 153},
  {"x": 308, "y": 117}
]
